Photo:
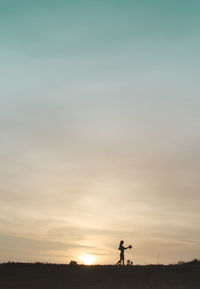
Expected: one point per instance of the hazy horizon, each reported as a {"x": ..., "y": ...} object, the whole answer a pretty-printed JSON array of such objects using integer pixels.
[{"x": 100, "y": 130}]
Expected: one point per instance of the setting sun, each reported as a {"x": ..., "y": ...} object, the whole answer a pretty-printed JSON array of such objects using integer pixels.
[{"x": 87, "y": 259}]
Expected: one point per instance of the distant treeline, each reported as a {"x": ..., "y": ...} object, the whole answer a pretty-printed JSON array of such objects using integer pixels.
[{"x": 72, "y": 263}]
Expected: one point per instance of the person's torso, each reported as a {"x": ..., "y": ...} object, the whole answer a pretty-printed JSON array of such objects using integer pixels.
[{"x": 122, "y": 249}]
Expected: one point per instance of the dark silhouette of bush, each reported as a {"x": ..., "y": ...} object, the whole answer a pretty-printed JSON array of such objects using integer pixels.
[
  {"x": 192, "y": 262},
  {"x": 73, "y": 263}
]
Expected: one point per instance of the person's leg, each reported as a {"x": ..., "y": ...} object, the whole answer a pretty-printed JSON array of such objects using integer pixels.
[
  {"x": 123, "y": 259},
  {"x": 118, "y": 262}
]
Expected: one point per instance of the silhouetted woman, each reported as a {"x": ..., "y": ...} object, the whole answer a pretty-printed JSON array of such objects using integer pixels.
[{"x": 122, "y": 249}]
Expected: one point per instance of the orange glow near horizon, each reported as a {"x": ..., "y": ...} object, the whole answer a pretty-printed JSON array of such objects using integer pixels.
[{"x": 87, "y": 259}]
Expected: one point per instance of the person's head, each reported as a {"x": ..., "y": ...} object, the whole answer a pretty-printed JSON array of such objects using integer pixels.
[{"x": 121, "y": 243}]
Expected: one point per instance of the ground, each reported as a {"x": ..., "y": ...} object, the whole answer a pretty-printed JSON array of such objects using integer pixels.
[{"x": 51, "y": 276}]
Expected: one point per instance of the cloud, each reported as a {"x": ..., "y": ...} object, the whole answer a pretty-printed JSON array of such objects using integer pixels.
[{"x": 20, "y": 244}]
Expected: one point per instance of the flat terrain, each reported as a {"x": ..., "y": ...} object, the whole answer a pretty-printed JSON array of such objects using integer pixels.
[{"x": 50, "y": 276}]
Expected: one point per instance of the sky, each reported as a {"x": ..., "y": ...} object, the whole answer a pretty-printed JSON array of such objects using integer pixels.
[{"x": 99, "y": 130}]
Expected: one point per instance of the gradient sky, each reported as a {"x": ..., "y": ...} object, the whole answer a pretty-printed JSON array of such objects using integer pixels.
[{"x": 100, "y": 130}]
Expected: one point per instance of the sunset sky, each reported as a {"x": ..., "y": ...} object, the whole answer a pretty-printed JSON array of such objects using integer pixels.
[{"x": 100, "y": 130}]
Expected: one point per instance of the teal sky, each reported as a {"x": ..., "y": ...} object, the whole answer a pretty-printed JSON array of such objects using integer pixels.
[{"x": 99, "y": 121}]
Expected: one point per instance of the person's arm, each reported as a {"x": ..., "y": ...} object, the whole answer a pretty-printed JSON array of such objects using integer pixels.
[{"x": 129, "y": 247}]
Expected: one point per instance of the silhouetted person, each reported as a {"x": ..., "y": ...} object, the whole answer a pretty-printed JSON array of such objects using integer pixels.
[{"x": 122, "y": 249}]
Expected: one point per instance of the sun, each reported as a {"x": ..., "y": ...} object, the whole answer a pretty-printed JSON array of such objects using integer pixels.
[{"x": 87, "y": 259}]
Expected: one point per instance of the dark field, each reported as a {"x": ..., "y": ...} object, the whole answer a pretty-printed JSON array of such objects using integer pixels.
[{"x": 50, "y": 276}]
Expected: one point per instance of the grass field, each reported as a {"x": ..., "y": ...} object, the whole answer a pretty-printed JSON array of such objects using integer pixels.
[{"x": 51, "y": 276}]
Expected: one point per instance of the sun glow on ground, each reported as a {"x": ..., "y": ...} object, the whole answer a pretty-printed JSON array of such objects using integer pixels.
[{"x": 87, "y": 259}]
